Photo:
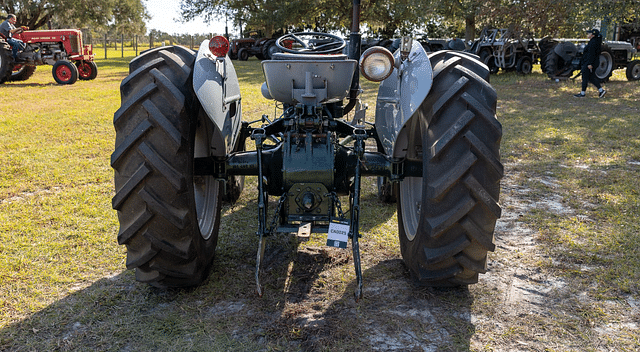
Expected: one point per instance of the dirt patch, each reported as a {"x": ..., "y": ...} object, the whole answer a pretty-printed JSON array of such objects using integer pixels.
[{"x": 519, "y": 305}]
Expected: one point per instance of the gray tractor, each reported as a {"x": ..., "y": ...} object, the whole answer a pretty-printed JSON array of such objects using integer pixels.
[
  {"x": 506, "y": 49},
  {"x": 180, "y": 151},
  {"x": 564, "y": 58}
]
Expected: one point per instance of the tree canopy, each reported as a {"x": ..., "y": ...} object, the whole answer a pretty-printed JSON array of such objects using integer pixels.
[
  {"x": 434, "y": 18},
  {"x": 270, "y": 16},
  {"x": 125, "y": 16}
]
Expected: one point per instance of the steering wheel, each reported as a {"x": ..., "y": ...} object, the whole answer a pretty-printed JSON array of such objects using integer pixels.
[{"x": 310, "y": 43}]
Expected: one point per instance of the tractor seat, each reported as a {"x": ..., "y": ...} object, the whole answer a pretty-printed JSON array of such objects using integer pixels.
[{"x": 307, "y": 57}]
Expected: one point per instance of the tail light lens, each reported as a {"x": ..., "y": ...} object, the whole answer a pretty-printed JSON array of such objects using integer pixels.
[{"x": 219, "y": 46}]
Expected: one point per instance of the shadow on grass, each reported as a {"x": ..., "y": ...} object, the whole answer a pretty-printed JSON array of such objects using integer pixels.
[
  {"x": 32, "y": 85},
  {"x": 392, "y": 316},
  {"x": 298, "y": 312},
  {"x": 118, "y": 314}
]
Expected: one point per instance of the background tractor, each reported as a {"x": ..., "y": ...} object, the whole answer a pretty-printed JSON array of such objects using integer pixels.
[
  {"x": 564, "y": 58},
  {"x": 180, "y": 150},
  {"x": 262, "y": 48},
  {"x": 61, "y": 48},
  {"x": 506, "y": 49}
]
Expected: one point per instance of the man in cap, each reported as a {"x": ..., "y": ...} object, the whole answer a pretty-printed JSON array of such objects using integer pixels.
[{"x": 589, "y": 63}]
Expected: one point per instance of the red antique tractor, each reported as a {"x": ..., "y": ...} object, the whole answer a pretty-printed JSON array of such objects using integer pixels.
[{"x": 61, "y": 48}]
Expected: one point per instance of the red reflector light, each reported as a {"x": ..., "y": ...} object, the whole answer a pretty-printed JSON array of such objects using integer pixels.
[{"x": 219, "y": 46}]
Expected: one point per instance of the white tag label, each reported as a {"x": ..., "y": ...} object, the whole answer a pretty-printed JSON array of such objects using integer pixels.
[{"x": 338, "y": 235}]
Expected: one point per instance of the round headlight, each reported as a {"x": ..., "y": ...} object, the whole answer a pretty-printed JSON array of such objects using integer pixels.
[
  {"x": 219, "y": 46},
  {"x": 376, "y": 63}
]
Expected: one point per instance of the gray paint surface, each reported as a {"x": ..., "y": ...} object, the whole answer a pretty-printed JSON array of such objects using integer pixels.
[
  {"x": 216, "y": 85},
  {"x": 400, "y": 95}
]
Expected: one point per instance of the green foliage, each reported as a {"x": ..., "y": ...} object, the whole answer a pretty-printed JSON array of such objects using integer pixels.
[
  {"x": 559, "y": 18},
  {"x": 123, "y": 16},
  {"x": 389, "y": 18}
]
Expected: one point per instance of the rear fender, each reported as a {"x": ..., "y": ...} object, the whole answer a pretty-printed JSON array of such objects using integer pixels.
[
  {"x": 399, "y": 97},
  {"x": 567, "y": 51},
  {"x": 216, "y": 85}
]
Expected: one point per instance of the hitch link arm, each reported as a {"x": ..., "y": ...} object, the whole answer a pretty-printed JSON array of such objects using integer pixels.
[
  {"x": 359, "y": 135},
  {"x": 259, "y": 136}
]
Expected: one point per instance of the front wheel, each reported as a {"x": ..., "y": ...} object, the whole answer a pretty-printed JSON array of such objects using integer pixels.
[
  {"x": 524, "y": 66},
  {"x": 447, "y": 217},
  {"x": 65, "y": 72},
  {"x": 243, "y": 54},
  {"x": 633, "y": 70},
  {"x": 87, "y": 70},
  {"x": 169, "y": 217}
]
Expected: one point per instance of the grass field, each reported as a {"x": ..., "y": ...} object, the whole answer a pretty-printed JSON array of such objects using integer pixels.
[{"x": 63, "y": 283}]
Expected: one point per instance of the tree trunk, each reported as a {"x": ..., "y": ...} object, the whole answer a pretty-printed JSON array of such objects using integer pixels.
[
  {"x": 470, "y": 27},
  {"x": 268, "y": 30}
]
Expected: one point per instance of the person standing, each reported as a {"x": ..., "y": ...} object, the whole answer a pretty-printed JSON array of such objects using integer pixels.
[
  {"x": 7, "y": 30},
  {"x": 590, "y": 61}
]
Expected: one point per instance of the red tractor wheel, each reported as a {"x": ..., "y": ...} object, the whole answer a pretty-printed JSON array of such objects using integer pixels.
[
  {"x": 65, "y": 72},
  {"x": 87, "y": 70}
]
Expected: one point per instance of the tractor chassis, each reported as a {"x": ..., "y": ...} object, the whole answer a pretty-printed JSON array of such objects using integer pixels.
[{"x": 266, "y": 162}]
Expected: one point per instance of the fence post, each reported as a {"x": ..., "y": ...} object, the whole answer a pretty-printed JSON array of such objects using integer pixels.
[
  {"x": 105, "y": 46},
  {"x": 191, "y": 42},
  {"x": 136, "y": 45},
  {"x": 122, "y": 44},
  {"x": 150, "y": 41}
]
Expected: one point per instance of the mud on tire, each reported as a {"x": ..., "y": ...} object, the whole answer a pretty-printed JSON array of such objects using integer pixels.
[
  {"x": 447, "y": 217},
  {"x": 169, "y": 218}
]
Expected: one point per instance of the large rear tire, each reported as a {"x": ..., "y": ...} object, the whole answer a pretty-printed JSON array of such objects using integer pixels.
[
  {"x": 490, "y": 61},
  {"x": 447, "y": 217},
  {"x": 22, "y": 73},
  {"x": 546, "y": 46},
  {"x": 269, "y": 49},
  {"x": 605, "y": 66},
  {"x": 243, "y": 54},
  {"x": 6, "y": 61},
  {"x": 553, "y": 65},
  {"x": 169, "y": 217}
]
